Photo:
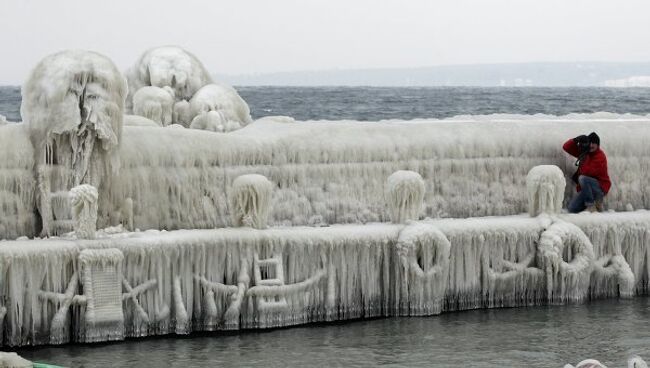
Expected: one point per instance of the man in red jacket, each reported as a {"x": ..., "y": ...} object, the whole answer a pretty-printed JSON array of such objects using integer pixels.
[{"x": 591, "y": 178}]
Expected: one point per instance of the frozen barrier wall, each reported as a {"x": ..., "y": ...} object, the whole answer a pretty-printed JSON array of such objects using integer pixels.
[
  {"x": 335, "y": 172},
  {"x": 149, "y": 283},
  {"x": 327, "y": 172}
]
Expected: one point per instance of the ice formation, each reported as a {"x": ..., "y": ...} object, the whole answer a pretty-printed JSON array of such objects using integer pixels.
[
  {"x": 404, "y": 192},
  {"x": 3, "y": 120},
  {"x": 233, "y": 111},
  {"x": 168, "y": 66},
  {"x": 334, "y": 172},
  {"x": 139, "y": 121},
  {"x": 126, "y": 282},
  {"x": 83, "y": 201},
  {"x": 546, "y": 187},
  {"x": 72, "y": 108},
  {"x": 250, "y": 200},
  {"x": 203, "y": 280},
  {"x": 182, "y": 114},
  {"x": 154, "y": 103}
]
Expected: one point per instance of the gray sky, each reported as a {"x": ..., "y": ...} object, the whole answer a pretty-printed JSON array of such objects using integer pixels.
[{"x": 251, "y": 36}]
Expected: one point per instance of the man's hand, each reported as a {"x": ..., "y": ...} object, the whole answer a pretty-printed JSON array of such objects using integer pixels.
[{"x": 581, "y": 139}]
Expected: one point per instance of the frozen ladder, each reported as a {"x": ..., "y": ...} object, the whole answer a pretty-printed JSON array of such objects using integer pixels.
[{"x": 269, "y": 272}]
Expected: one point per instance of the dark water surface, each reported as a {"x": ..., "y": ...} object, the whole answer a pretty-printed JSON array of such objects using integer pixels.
[
  {"x": 376, "y": 103},
  {"x": 607, "y": 330}
]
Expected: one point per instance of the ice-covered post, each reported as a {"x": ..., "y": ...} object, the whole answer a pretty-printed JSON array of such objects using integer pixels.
[
  {"x": 83, "y": 201},
  {"x": 250, "y": 201},
  {"x": 545, "y": 185},
  {"x": 404, "y": 193}
]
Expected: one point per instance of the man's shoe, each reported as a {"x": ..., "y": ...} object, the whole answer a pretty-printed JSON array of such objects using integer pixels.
[
  {"x": 599, "y": 206},
  {"x": 591, "y": 208}
]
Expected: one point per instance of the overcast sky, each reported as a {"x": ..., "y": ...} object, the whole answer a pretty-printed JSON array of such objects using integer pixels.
[{"x": 249, "y": 36}]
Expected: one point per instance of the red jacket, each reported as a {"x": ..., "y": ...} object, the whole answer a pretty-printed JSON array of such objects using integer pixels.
[{"x": 593, "y": 165}]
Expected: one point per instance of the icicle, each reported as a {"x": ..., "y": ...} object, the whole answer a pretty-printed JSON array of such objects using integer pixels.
[{"x": 180, "y": 313}]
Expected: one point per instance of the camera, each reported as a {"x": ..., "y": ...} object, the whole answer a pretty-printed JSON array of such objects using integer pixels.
[{"x": 583, "y": 143}]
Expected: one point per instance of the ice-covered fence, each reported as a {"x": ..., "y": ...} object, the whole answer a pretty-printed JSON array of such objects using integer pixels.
[
  {"x": 334, "y": 172},
  {"x": 203, "y": 280}
]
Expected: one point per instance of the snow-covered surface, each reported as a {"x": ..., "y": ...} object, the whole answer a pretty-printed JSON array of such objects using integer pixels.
[
  {"x": 335, "y": 172},
  {"x": 195, "y": 280}
]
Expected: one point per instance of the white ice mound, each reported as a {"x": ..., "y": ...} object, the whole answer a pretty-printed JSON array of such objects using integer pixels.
[
  {"x": 73, "y": 105},
  {"x": 13, "y": 360},
  {"x": 404, "y": 194},
  {"x": 545, "y": 184},
  {"x": 155, "y": 103},
  {"x": 225, "y": 101},
  {"x": 250, "y": 200},
  {"x": 3, "y": 119},
  {"x": 83, "y": 201},
  {"x": 168, "y": 66}
]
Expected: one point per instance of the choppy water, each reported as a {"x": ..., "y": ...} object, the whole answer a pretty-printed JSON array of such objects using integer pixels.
[
  {"x": 607, "y": 330},
  {"x": 366, "y": 103}
]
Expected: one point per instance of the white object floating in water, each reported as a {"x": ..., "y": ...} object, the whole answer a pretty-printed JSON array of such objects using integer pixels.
[
  {"x": 633, "y": 362},
  {"x": 545, "y": 184},
  {"x": 404, "y": 193},
  {"x": 250, "y": 201},
  {"x": 13, "y": 360}
]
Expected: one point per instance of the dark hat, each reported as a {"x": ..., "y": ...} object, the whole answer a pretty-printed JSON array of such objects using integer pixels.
[{"x": 594, "y": 138}]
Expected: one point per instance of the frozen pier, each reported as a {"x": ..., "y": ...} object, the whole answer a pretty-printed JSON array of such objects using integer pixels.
[{"x": 156, "y": 282}]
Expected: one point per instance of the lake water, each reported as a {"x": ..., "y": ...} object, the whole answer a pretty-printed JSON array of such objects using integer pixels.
[
  {"x": 372, "y": 103},
  {"x": 547, "y": 336}
]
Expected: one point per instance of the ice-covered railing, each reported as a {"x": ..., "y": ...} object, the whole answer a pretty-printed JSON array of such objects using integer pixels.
[
  {"x": 335, "y": 172},
  {"x": 154, "y": 282}
]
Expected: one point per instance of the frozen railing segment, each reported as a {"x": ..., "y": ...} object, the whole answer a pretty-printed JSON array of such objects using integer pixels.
[
  {"x": 545, "y": 185},
  {"x": 567, "y": 257},
  {"x": 612, "y": 275},
  {"x": 423, "y": 269},
  {"x": 206, "y": 280},
  {"x": 404, "y": 194},
  {"x": 99, "y": 309}
]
